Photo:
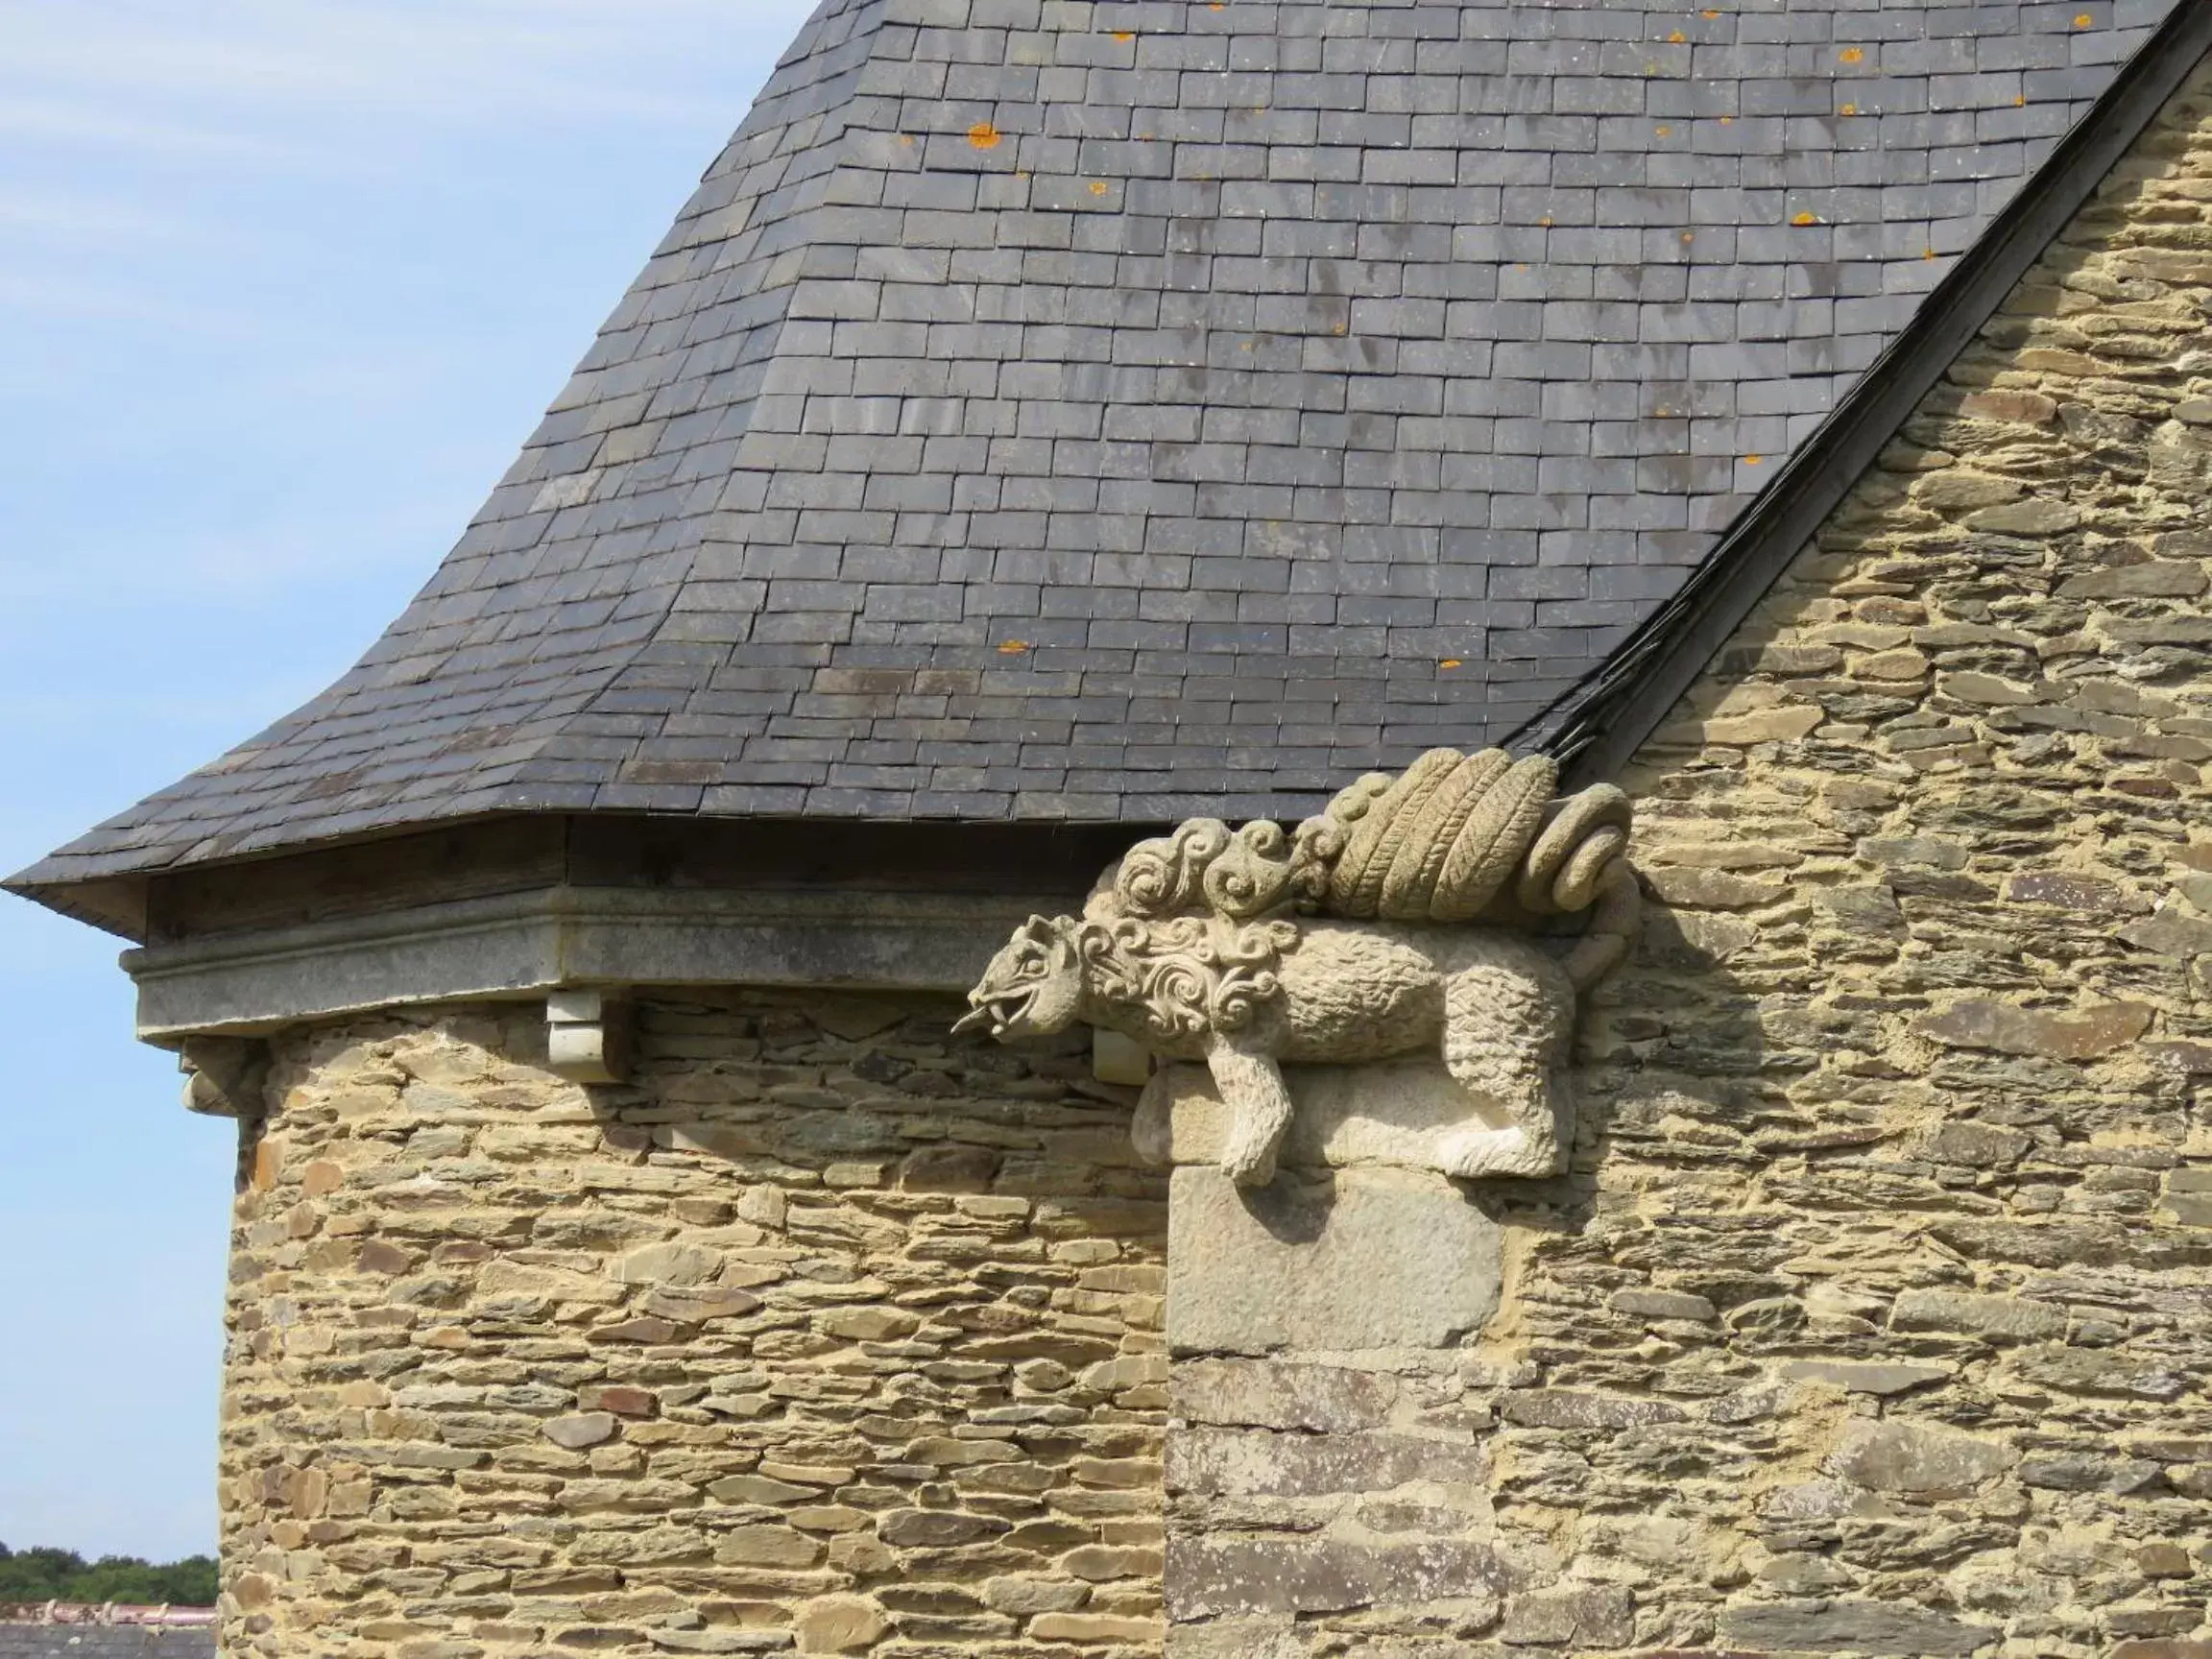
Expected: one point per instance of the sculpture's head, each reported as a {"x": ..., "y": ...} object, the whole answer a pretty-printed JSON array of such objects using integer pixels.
[{"x": 1033, "y": 988}]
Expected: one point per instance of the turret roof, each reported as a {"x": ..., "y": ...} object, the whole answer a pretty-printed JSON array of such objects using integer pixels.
[{"x": 1111, "y": 409}]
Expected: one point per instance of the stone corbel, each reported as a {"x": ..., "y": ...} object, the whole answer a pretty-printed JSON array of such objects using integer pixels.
[
  {"x": 224, "y": 1076},
  {"x": 587, "y": 1035}
]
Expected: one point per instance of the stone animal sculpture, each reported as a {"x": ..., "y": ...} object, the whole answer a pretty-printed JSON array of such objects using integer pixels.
[{"x": 1397, "y": 923}]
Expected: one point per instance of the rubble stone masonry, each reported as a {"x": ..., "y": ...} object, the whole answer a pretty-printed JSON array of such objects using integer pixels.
[
  {"x": 828, "y": 1332},
  {"x": 1893, "y": 1268},
  {"x": 1874, "y": 1317}
]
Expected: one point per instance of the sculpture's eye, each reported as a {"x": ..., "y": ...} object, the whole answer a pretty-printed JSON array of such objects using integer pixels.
[{"x": 1032, "y": 967}]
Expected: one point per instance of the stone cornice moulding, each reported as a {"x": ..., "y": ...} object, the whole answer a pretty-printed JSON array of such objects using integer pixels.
[{"x": 517, "y": 947}]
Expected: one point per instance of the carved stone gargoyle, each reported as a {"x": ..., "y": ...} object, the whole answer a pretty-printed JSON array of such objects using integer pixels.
[{"x": 1401, "y": 922}]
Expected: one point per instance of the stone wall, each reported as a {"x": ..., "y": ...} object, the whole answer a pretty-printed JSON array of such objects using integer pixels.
[
  {"x": 1876, "y": 1316},
  {"x": 1903, "y": 1240},
  {"x": 828, "y": 1332}
]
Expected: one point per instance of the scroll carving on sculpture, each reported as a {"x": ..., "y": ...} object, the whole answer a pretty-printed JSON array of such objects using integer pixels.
[{"x": 1403, "y": 920}]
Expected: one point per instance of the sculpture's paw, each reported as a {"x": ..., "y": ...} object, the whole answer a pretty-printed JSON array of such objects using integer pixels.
[
  {"x": 1249, "y": 1161},
  {"x": 1477, "y": 1154},
  {"x": 1153, "y": 1133}
]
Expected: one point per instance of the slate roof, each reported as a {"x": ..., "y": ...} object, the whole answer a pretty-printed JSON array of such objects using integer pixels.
[
  {"x": 1113, "y": 409},
  {"x": 105, "y": 1641}
]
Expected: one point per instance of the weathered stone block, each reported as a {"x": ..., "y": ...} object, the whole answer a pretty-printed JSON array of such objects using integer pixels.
[
  {"x": 2070, "y": 891},
  {"x": 1580, "y": 1618},
  {"x": 1957, "y": 488},
  {"x": 1025, "y": 1595},
  {"x": 2171, "y": 932},
  {"x": 1096, "y": 1627},
  {"x": 2000, "y": 1316},
  {"x": 1407, "y": 1117},
  {"x": 1915, "y": 1458},
  {"x": 2084, "y": 1473},
  {"x": 2155, "y": 579},
  {"x": 2068, "y": 1243},
  {"x": 1980, "y": 1145},
  {"x": 1716, "y": 889},
  {"x": 1763, "y": 726},
  {"x": 1375, "y": 1258},
  {"x": 2103, "y": 1371},
  {"x": 949, "y": 1169},
  {"x": 1274, "y": 1638},
  {"x": 2038, "y": 516},
  {"x": 1875, "y": 1627},
  {"x": 1574, "y": 1408},
  {"x": 586, "y": 1428},
  {"x": 1256, "y": 1463},
  {"x": 2029, "y": 408},
  {"x": 1215, "y": 1578},
  {"x": 1271, "y": 1394},
  {"x": 1662, "y": 1305},
  {"x": 2084, "y": 1034},
  {"x": 934, "y": 1528},
  {"x": 1861, "y": 1376}
]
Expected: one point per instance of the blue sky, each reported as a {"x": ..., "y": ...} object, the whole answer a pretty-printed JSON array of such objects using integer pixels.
[{"x": 282, "y": 288}]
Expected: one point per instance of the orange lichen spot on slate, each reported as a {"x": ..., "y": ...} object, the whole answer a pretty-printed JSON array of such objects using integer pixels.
[
  {"x": 1014, "y": 648},
  {"x": 1545, "y": 221},
  {"x": 1124, "y": 36},
  {"x": 2019, "y": 100},
  {"x": 1709, "y": 12},
  {"x": 1666, "y": 132},
  {"x": 1754, "y": 460},
  {"x": 1803, "y": 219},
  {"x": 1099, "y": 186},
  {"x": 1689, "y": 235},
  {"x": 2082, "y": 21},
  {"x": 1728, "y": 120},
  {"x": 1852, "y": 55},
  {"x": 983, "y": 135},
  {"x": 1450, "y": 663},
  {"x": 1850, "y": 109},
  {"x": 1676, "y": 39},
  {"x": 1929, "y": 254}
]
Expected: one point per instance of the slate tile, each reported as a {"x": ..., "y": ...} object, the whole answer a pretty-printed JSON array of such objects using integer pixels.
[{"x": 1373, "y": 334}]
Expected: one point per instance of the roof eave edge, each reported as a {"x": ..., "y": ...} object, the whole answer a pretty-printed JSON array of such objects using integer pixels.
[
  {"x": 1599, "y": 725},
  {"x": 113, "y": 905}
]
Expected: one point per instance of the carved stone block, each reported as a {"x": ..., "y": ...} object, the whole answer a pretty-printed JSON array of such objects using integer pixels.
[
  {"x": 1354, "y": 940},
  {"x": 1370, "y": 1259},
  {"x": 1242, "y": 1576},
  {"x": 1409, "y": 1117}
]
